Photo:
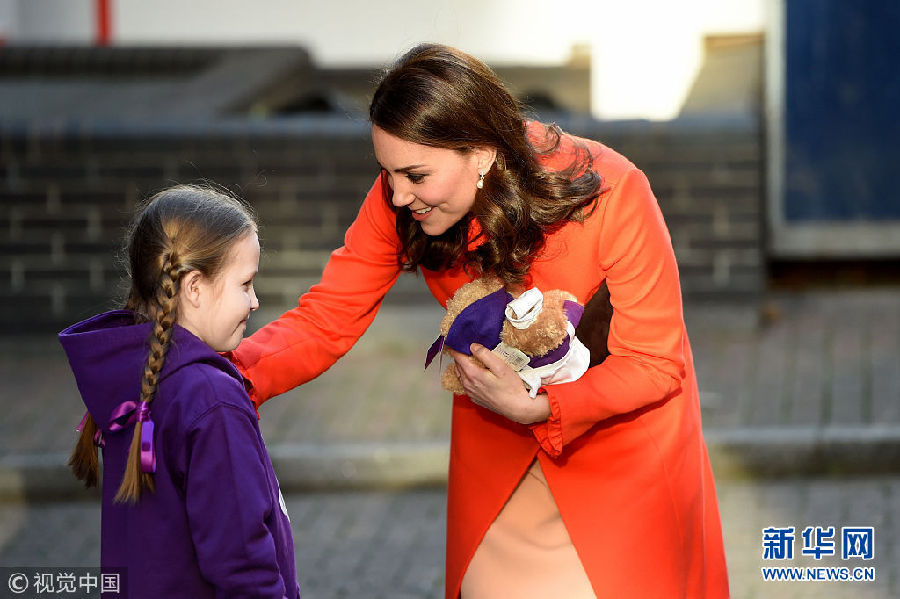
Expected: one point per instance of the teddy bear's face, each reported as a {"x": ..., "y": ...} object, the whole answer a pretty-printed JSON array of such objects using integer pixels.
[
  {"x": 533, "y": 337},
  {"x": 546, "y": 332}
]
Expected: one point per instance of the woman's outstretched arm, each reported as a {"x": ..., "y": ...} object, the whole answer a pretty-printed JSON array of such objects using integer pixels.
[{"x": 305, "y": 341}]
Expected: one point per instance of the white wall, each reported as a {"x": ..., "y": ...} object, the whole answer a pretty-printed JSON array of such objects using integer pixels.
[
  {"x": 644, "y": 52},
  {"x": 343, "y": 32},
  {"x": 48, "y": 21},
  {"x": 9, "y": 18},
  {"x": 646, "y": 57}
]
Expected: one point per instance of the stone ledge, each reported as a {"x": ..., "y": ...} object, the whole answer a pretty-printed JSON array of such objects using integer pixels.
[{"x": 735, "y": 454}]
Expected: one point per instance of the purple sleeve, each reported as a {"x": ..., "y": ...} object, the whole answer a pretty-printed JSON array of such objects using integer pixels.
[{"x": 229, "y": 498}]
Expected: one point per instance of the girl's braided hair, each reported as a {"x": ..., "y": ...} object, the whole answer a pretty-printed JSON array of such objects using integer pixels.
[{"x": 179, "y": 230}]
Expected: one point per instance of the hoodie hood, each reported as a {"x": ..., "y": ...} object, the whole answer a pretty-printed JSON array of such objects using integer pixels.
[{"x": 107, "y": 354}]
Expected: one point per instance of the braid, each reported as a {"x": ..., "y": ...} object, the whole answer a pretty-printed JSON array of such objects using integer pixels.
[
  {"x": 83, "y": 461},
  {"x": 164, "y": 314},
  {"x": 164, "y": 318}
]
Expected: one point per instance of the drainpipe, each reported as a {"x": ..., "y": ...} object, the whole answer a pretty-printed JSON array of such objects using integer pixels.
[{"x": 103, "y": 9}]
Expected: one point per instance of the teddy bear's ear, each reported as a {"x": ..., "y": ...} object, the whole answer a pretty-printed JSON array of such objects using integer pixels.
[
  {"x": 447, "y": 320},
  {"x": 563, "y": 296}
]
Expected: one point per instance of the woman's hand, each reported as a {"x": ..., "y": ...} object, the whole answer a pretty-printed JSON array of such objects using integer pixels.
[{"x": 498, "y": 388}]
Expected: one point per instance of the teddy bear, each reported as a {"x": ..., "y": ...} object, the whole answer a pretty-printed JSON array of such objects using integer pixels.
[{"x": 533, "y": 331}]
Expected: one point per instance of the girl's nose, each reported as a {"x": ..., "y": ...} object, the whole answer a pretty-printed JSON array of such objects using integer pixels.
[{"x": 254, "y": 301}]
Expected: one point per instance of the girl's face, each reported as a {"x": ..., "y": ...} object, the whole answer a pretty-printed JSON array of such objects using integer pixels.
[
  {"x": 436, "y": 184},
  {"x": 217, "y": 310}
]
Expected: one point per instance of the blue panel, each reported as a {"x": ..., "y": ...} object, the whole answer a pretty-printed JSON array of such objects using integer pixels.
[{"x": 842, "y": 110}]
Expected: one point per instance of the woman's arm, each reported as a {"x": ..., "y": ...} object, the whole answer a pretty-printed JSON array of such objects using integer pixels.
[
  {"x": 646, "y": 336},
  {"x": 305, "y": 341}
]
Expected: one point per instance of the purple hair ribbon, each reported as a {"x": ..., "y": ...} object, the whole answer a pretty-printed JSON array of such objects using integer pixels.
[{"x": 133, "y": 412}]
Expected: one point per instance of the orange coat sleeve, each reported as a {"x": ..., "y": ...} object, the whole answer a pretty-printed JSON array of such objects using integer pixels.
[
  {"x": 646, "y": 362},
  {"x": 305, "y": 341}
]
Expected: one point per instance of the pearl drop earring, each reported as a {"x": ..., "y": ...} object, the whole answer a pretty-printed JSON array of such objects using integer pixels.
[{"x": 480, "y": 183}]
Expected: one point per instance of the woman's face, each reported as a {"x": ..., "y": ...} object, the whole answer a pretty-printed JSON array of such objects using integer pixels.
[{"x": 436, "y": 184}]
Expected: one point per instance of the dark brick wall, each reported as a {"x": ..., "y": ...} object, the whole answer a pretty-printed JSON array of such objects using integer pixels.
[
  {"x": 67, "y": 193},
  {"x": 708, "y": 178}
]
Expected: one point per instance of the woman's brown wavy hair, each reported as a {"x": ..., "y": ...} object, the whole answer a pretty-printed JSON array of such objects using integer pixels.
[
  {"x": 438, "y": 96},
  {"x": 179, "y": 230}
]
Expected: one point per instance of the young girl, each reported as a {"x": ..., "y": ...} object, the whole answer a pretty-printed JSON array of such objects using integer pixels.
[{"x": 191, "y": 505}]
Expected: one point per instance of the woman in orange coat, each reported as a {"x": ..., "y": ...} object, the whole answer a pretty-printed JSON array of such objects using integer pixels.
[{"x": 599, "y": 487}]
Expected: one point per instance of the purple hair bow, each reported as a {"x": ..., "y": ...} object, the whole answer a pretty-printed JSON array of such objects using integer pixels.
[
  {"x": 131, "y": 412},
  {"x": 126, "y": 414}
]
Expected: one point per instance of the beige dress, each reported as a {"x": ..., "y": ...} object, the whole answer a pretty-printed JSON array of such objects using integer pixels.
[{"x": 527, "y": 553}]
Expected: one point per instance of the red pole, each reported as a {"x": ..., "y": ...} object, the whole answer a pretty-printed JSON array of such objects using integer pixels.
[{"x": 104, "y": 22}]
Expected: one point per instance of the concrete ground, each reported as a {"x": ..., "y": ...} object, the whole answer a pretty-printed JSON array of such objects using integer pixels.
[
  {"x": 389, "y": 544},
  {"x": 802, "y": 416}
]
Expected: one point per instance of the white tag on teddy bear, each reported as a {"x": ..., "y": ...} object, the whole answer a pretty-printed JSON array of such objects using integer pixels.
[{"x": 512, "y": 356}]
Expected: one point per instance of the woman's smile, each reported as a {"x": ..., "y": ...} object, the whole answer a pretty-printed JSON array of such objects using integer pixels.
[{"x": 422, "y": 213}]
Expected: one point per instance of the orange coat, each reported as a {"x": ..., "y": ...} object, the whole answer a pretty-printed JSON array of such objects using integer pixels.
[{"x": 623, "y": 451}]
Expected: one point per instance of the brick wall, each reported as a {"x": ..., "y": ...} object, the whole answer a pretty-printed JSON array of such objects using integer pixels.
[
  {"x": 708, "y": 178},
  {"x": 67, "y": 193}
]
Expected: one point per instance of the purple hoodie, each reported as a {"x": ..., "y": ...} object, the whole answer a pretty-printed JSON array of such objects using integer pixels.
[{"x": 216, "y": 525}]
